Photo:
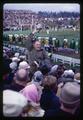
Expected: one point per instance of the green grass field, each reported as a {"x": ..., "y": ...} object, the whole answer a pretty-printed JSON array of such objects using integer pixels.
[{"x": 60, "y": 34}]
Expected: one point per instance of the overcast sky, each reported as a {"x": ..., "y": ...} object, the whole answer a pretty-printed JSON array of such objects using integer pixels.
[{"x": 44, "y": 7}]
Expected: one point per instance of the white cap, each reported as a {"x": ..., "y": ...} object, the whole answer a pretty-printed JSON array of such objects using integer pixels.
[
  {"x": 71, "y": 72},
  {"x": 13, "y": 103},
  {"x": 16, "y": 55},
  {"x": 65, "y": 40},
  {"x": 15, "y": 59},
  {"x": 53, "y": 38},
  {"x": 22, "y": 57},
  {"x": 13, "y": 65},
  {"x": 24, "y": 65},
  {"x": 68, "y": 72}
]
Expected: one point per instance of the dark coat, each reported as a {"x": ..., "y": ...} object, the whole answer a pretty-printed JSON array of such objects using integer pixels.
[
  {"x": 58, "y": 113},
  {"x": 14, "y": 87},
  {"x": 49, "y": 100}
]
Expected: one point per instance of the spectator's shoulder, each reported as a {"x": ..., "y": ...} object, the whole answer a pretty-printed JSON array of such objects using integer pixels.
[{"x": 42, "y": 49}]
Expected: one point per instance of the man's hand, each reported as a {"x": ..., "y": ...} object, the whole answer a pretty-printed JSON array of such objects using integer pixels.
[{"x": 36, "y": 64}]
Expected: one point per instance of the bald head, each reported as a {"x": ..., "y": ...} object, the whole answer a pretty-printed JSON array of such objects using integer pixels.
[
  {"x": 21, "y": 75},
  {"x": 37, "y": 45}
]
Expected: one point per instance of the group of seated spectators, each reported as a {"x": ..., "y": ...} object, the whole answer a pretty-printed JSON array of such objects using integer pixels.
[
  {"x": 33, "y": 91},
  {"x": 14, "y": 19}
]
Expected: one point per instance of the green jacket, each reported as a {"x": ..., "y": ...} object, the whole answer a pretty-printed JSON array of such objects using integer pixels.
[{"x": 72, "y": 44}]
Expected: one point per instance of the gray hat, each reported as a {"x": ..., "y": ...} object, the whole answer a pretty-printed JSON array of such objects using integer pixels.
[
  {"x": 38, "y": 77},
  {"x": 70, "y": 93}
]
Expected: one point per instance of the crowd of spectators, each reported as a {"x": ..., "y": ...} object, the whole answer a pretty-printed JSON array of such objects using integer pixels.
[
  {"x": 33, "y": 91},
  {"x": 27, "y": 19}
]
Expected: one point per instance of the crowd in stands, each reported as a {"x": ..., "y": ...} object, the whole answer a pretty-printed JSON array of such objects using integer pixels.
[
  {"x": 38, "y": 90},
  {"x": 25, "y": 19}
]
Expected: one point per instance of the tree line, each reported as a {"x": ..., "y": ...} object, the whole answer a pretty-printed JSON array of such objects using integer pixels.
[{"x": 59, "y": 14}]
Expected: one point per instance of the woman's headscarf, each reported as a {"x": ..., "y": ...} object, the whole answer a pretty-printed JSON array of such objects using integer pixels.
[{"x": 31, "y": 93}]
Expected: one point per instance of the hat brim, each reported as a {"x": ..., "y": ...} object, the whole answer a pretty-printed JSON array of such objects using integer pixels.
[{"x": 67, "y": 102}]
